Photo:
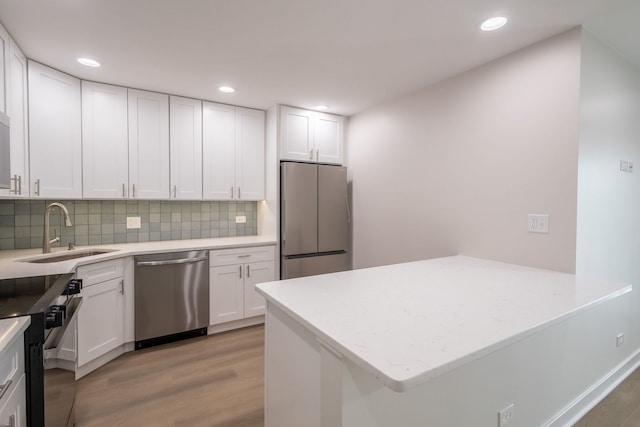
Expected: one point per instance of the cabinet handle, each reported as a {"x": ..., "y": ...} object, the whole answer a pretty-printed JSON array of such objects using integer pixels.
[
  {"x": 37, "y": 189},
  {"x": 239, "y": 194},
  {"x": 232, "y": 192},
  {"x": 175, "y": 191},
  {"x": 240, "y": 271},
  {"x": 244, "y": 256},
  {"x": 20, "y": 185},
  {"x": 134, "y": 191},
  {"x": 123, "y": 193},
  {"x": 317, "y": 154},
  {"x": 15, "y": 182},
  {"x": 311, "y": 154},
  {"x": 248, "y": 271},
  {"x": 12, "y": 422},
  {"x": 4, "y": 388},
  {"x": 122, "y": 287}
]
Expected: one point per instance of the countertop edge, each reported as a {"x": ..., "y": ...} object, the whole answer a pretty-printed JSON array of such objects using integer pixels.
[
  {"x": 10, "y": 330},
  {"x": 15, "y": 267},
  {"x": 405, "y": 384}
]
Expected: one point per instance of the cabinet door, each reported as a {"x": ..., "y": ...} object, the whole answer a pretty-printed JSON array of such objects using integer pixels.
[
  {"x": 18, "y": 114},
  {"x": 218, "y": 151},
  {"x": 4, "y": 69},
  {"x": 257, "y": 272},
  {"x": 13, "y": 412},
  {"x": 226, "y": 294},
  {"x": 328, "y": 133},
  {"x": 250, "y": 146},
  {"x": 186, "y": 148},
  {"x": 100, "y": 320},
  {"x": 148, "y": 145},
  {"x": 105, "y": 172},
  {"x": 296, "y": 134},
  {"x": 54, "y": 133}
]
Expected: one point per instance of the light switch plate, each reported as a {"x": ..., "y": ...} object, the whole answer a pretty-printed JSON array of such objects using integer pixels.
[
  {"x": 538, "y": 223},
  {"x": 133, "y": 222},
  {"x": 241, "y": 219}
]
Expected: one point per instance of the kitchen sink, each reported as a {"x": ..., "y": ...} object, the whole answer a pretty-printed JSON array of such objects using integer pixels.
[{"x": 66, "y": 256}]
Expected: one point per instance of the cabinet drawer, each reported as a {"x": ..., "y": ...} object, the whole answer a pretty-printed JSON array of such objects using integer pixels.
[
  {"x": 100, "y": 272},
  {"x": 241, "y": 255},
  {"x": 11, "y": 368},
  {"x": 13, "y": 404}
]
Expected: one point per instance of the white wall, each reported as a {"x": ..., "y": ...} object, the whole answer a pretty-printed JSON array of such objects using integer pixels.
[
  {"x": 456, "y": 167},
  {"x": 608, "y": 217},
  {"x": 608, "y": 226}
]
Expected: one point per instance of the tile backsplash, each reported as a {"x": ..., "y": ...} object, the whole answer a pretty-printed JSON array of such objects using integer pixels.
[{"x": 100, "y": 222}]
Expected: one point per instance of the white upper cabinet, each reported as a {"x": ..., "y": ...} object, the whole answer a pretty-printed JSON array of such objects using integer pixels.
[
  {"x": 218, "y": 151},
  {"x": 250, "y": 155},
  {"x": 55, "y": 144},
  {"x": 17, "y": 108},
  {"x": 186, "y": 148},
  {"x": 148, "y": 145},
  {"x": 104, "y": 141},
  {"x": 310, "y": 136},
  {"x": 233, "y": 152},
  {"x": 4, "y": 70}
]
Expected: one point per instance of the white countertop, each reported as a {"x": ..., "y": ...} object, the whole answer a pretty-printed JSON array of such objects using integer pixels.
[
  {"x": 12, "y": 267},
  {"x": 10, "y": 329},
  {"x": 407, "y": 323}
]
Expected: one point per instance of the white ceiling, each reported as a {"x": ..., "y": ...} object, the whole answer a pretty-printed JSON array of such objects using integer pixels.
[{"x": 348, "y": 54}]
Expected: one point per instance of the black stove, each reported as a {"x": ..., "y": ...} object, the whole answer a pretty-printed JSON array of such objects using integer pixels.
[{"x": 50, "y": 301}]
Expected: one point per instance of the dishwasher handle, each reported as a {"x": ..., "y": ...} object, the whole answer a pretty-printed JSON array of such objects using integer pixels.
[{"x": 171, "y": 262}]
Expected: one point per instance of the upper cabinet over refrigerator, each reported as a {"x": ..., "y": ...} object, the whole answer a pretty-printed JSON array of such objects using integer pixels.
[{"x": 310, "y": 136}]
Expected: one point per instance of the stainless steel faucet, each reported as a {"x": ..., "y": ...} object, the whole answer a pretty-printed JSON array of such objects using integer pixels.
[{"x": 46, "y": 243}]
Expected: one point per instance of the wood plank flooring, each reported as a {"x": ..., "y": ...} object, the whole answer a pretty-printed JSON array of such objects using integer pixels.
[
  {"x": 621, "y": 408},
  {"x": 213, "y": 381},
  {"x": 218, "y": 381}
]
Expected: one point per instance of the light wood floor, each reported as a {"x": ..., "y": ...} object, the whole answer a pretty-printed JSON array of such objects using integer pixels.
[
  {"x": 621, "y": 408},
  {"x": 218, "y": 381},
  {"x": 213, "y": 381}
]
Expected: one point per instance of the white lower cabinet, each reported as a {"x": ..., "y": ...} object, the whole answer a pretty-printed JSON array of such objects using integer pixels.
[
  {"x": 13, "y": 410},
  {"x": 233, "y": 276},
  {"x": 12, "y": 385},
  {"x": 101, "y": 318}
]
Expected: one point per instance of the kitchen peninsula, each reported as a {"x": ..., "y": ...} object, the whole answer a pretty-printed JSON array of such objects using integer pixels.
[{"x": 449, "y": 342}]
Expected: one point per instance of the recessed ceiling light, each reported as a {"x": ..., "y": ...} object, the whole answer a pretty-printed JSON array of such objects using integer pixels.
[
  {"x": 89, "y": 62},
  {"x": 226, "y": 89},
  {"x": 493, "y": 24},
  {"x": 321, "y": 107}
]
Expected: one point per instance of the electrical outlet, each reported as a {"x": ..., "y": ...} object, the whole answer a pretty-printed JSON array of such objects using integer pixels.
[
  {"x": 505, "y": 417},
  {"x": 619, "y": 340},
  {"x": 241, "y": 219},
  {"x": 538, "y": 223},
  {"x": 626, "y": 166},
  {"x": 133, "y": 222}
]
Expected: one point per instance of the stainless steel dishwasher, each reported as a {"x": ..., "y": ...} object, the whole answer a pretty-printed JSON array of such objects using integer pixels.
[{"x": 171, "y": 296}]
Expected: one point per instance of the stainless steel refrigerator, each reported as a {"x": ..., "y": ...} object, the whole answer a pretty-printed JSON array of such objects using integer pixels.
[{"x": 314, "y": 215}]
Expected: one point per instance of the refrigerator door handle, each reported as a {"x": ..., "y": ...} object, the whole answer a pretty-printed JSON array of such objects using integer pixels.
[{"x": 346, "y": 202}]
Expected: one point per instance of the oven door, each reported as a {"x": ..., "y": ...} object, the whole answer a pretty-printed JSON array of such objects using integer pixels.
[{"x": 59, "y": 383}]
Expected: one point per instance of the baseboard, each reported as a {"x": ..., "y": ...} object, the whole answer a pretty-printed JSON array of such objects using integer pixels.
[
  {"x": 236, "y": 324},
  {"x": 570, "y": 414}
]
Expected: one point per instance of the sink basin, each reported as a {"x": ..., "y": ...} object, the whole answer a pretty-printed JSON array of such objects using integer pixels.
[{"x": 65, "y": 256}]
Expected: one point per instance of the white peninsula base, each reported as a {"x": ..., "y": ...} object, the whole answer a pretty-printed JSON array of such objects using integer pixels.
[{"x": 445, "y": 342}]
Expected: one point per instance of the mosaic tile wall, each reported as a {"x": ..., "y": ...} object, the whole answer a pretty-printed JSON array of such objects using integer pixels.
[{"x": 97, "y": 222}]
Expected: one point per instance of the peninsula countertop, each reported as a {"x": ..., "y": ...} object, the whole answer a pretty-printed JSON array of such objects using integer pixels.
[
  {"x": 12, "y": 263},
  {"x": 408, "y": 323}
]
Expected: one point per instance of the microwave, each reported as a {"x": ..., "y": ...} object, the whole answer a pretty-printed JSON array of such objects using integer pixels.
[{"x": 5, "y": 155}]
